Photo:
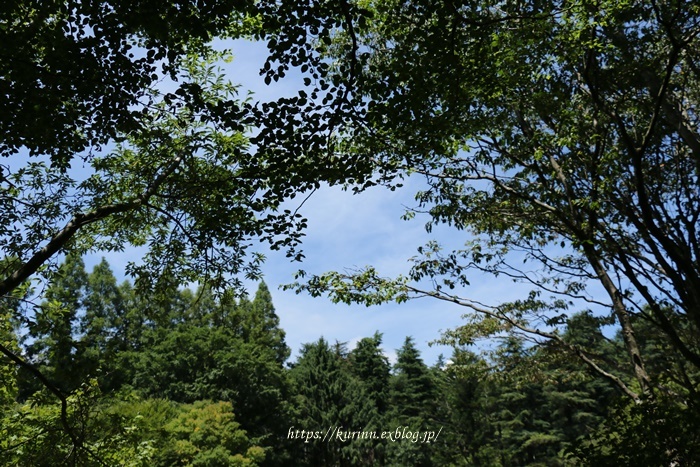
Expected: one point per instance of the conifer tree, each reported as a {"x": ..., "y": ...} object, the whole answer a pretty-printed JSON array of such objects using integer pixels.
[
  {"x": 527, "y": 405},
  {"x": 104, "y": 310},
  {"x": 202, "y": 307},
  {"x": 371, "y": 368},
  {"x": 263, "y": 324},
  {"x": 413, "y": 388},
  {"x": 207, "y": 349},
  {"x": 328, "y": 397},
  {"x": 131, "y": 325},
  {"x": 414, "y": 405},
  {"x": 465, "y": 409},
  {"x": 55, "y": 347}
]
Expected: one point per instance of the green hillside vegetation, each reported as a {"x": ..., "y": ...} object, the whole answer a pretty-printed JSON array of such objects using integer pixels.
[{"x": 190, "y": 379}]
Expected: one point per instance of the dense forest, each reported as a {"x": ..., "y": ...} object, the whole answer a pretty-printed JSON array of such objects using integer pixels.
[
  {"x": 189, "y": 379},
  {"x": 554, "y": 144}
]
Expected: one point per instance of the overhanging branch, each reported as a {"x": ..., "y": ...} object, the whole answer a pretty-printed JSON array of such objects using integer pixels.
[{"x": 570, "y": 347}]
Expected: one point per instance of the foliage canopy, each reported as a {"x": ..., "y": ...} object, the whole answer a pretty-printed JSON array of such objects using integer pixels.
[{"x": 559, "y": 134}]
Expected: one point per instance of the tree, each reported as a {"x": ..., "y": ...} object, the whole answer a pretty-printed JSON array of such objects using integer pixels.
[
  {"x": 8, "y": 369},
  {"x": 262, "y": 325},
  {"x": 128, "y": 431},
  {"x": 35, "y": 432},
  {"x": 100, "y": 324},
  {"x": 327, "y": 396},
  {"x": 99, "y": 336},
  {"x": 413, "y": 396},
  {"x": 206, "y": 433},
  {"x": 55, "y": 346},
  {"x": 519, "y": 404},
  {"x": 188, "y": 362},
  {"x": 173, "y": 171},
  {"x": 78, "y": 77},
  {"x": 556, "y": 133},
  {"x": 413, "y": 388},
  {"x": 371, "y": 368},
  {"x": 75, "y": 74},
  {"x": 466, "y": 408},
  {"x": 660, "y": 432}
]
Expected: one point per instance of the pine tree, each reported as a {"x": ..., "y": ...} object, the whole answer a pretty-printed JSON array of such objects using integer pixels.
[
  {"x": 414, "y": 405},
  {"x": 465, "y": 409},
  {"x": 104, "y": 312},
  {"x": 371, "y": 368},
  {"x": 55, "y": 347},
  {"x": 329, "y": 397},
  {"x": 262, "y": 325}
]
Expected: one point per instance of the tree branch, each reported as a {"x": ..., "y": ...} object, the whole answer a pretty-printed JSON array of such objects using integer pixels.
[
  {"x": 78, "y": 221},
  {"x": 572, "y": 348}
]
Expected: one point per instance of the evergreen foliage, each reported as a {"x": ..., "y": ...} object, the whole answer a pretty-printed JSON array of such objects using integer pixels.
[
  {"x": 192, "y": 379},
  {"x": 55, "y": 346},
  {"x": 328, "y": 398},
  {"x": 414, "y": 400}
]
